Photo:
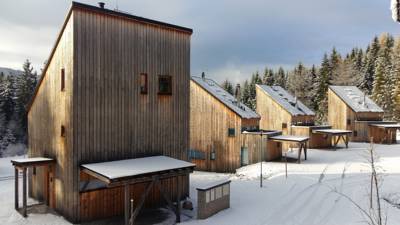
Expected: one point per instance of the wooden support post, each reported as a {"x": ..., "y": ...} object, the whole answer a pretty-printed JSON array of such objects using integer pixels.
[
  {"x": 126, "y": 199},
  {"x": 299, "y": 154},
  {"x": 178, "y": 200},
  {"x": 305, "y": 150},
  {"x": 24, "y": 193},
  {"x": 16, "y": 188}
]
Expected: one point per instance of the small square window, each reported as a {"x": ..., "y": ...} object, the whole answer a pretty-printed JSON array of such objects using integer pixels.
[
  {"x": 355, "y": 133},
  {"x": 231, "y": 132},
  {"x": 143, "y": 83},
  {"x": 164, "y": 85},
  {"x": 218, "y": 192},
  {"x": 62, "y": 79},
  {"x": 348, "y": 122},
  {"x": 284, "y": 125},
  {"x": 62, "y": 131},
  {"x": 226, "y": 189}
]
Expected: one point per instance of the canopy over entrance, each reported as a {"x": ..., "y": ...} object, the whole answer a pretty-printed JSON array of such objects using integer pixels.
[
  {"x": 141, "y": 170},
  {"x": 24, "y": 164}
]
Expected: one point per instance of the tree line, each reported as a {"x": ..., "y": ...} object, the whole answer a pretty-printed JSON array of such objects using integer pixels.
[
  {"x": 375, "y": 70},
  {"x": 16, "y": 91}
]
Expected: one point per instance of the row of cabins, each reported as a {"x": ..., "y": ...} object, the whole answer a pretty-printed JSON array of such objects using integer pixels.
[{"x": 115, "y": 94}]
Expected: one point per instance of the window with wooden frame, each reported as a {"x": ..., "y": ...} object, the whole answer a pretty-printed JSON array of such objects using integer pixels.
[
  {"x": 348, "y": 122},
  {"x": 355, "y": 133},
  {"x": 143, "y": 83},
  {"x": 62, "y": 131},
  {"x": 284, "y": 125},
  {"x": 62, "y": 79},
  {"x": 164, "y": 85},
  {"x": 231, "y": 132}
]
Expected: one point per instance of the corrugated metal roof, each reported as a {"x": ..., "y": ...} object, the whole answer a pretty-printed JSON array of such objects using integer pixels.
[
  {"x": 227, "y": 99},
  {"x": 287, "y": 101},
  {"x": 356, "y": 99}
]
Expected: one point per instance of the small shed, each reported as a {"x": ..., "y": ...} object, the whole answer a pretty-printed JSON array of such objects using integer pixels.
[
  {"x": 349, "y": 108},
  {"x": 279, "y": 110},
  {"x": 217, "y": 120}
]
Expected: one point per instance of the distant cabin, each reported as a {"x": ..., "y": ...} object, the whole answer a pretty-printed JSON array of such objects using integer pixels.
[
  {"x": 116, "y": 86},
  {"x": 217, "y": 120},
  {"x": 349, "y": 108},
  {"x": 279, "y": 110}
]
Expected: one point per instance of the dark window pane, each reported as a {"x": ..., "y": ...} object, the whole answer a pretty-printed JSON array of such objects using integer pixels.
[
  {"x": 164, "y": 85},
  {"x": 62, "y": 79},
  {"x": 231, "y": 132}
]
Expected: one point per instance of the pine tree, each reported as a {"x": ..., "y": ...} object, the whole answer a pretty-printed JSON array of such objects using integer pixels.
[
  {"x": 280, "y": 78},
  {"x": 268, "y": 78},
  {"x": 395, "y": 74},
  {"x": 24, "y": 85},
  {"x": 383, "y": 83},
  {"x": 255, "y": 79},
  {"x": 335, "y": 61},
  {"x": 312, "y": 89},
  {"x": 245, "y": 99},
  {"x": 227, "y": 86},
  {"x": 369, "y": 66},
  {"x": 321, "y": 86}
]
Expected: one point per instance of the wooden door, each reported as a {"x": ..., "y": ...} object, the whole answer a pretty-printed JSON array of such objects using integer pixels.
[{"x": 51, "y": 188}]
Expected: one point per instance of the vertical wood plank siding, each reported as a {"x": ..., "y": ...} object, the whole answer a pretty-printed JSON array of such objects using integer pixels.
[
  {"x": 339, "y": 113},
  {"x": 114, "y": 120},
  {"x": 51, "y": 109},
  {"x": 209, "y": 123},
  {"x": 104, "y": 115}
]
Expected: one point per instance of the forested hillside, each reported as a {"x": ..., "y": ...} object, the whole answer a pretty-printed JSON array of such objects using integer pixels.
[
  {"x": 16, "y": 90},
  {"x": 375, "y": 69}
]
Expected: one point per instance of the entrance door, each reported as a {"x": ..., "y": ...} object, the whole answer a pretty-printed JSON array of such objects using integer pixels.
[
  {"x": 51, "y": 189},
  {"x": 244, "y": 156}
]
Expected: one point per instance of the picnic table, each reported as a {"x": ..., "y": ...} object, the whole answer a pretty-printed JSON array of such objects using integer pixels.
[
  {"x": 336, "y": 135},
  {"x": 300, "y": 140}
]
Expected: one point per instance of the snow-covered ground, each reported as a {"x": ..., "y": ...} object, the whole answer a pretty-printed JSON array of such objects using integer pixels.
[{"x": 304, "y": 197}]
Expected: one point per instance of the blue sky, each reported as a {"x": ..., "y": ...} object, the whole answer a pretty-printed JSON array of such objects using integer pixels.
[{"x": 231, "y": 38}]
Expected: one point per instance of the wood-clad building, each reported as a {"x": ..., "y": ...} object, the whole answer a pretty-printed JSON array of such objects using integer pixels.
[
  {"x": 349, "y": 108},
  {"x": 217, "y": 121},
  {"x": 279, "y": 110},
  {"x": 116, "y": 86}
]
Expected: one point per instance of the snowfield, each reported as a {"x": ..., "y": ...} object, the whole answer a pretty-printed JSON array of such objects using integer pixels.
[{"x": 305, "y": 197}]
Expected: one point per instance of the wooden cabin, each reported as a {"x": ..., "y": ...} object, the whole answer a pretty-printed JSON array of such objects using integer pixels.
[
  {"x": 217, "y": 120},
  {"x": 279, "y": 110},
  {"x": 349, "y": 108},
  {"x": 116, "y": 87}
]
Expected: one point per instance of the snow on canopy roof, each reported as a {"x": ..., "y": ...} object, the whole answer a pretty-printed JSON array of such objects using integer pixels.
[
  {"x": 227, "y": 99},
  {"x": 287, "y": 101},
  {"x": 354, "y": 98},
  {"x": 137, "y": 166}
]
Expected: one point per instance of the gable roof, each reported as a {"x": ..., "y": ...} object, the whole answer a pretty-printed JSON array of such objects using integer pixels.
[
  {"x": 77, "y": 5},
  {"x": 356, "y": 99},
  {"x": 225, "y": 98},
  {"x": 287, "y": 101}
]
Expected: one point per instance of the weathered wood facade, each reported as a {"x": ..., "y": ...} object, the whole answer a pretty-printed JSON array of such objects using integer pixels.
[
  {"x": 101, "y": 114},
  {"x": 350, "y": 109},
  {"x": 281, "y": 111},
  {"x": 213, "y": 113}
]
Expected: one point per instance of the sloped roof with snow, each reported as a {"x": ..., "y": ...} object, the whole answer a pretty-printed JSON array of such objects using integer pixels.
[
  {"x": 287, "y": 101},
  {"x": 356, "y": 99},
  {"x": 227, "y": 99}
]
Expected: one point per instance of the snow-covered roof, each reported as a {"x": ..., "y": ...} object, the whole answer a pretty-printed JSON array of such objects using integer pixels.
[
  {"x": 356, "y": 99},
  {"x": 31, "y": 161},
  {"x": 227, "y": 99},
  {"x": 287, "y": 101},
  {"x": 137, "y": 166}
]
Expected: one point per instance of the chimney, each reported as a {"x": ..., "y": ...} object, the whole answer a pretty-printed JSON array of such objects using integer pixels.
[
  {"x": 237, "y": 92},
  {"x": 295, "y": 101},
  {"x": 101, "y": 5},
  {"x": 203, "y": 76}
]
